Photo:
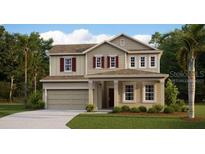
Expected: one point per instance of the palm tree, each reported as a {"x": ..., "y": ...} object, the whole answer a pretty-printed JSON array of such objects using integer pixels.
[{"x": 192, "y": 38}]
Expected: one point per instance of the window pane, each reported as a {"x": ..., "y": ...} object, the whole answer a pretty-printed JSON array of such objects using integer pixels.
[
  {"x": 142, "y": 62},
  {"x": 152, "y": 61},
  {"x": 129, "y": 92},
  {"x": 132, "y": 60},
  {"x": 149, "y": 92}
]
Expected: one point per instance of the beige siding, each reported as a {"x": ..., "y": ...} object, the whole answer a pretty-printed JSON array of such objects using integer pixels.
[
  {"x": 67, "y": 99},
  {"x": 104, "y": 50},
  {"x": 148, "y": 68},
  {"x": 63, "y": 85},
  {"x": 130, "y": 44},
  {"x": 55, "y": 66},
  {"x": 139, "y": 94}
]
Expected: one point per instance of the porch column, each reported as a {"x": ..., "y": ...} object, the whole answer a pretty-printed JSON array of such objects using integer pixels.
[
  {"x": 90, "y": 95},
  {"x": 162, "y": 91},
  {"x": 116, "y": 93},
  {"x": 45, "y": 98}
]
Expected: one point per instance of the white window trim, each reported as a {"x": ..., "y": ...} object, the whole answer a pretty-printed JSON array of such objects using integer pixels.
[
  {"x": 134, "y": 92},
  {"x": 122, "y": 44},
  {"x": 143, "y": 93},
  {"x": 154, "y": 62},
  {"x": 98, "y": 56},
  {"x": 110, "y": 61},
  {"x": 145, "y": 66},
  {"x": 64, "y": 64},
  {"x": 130, "y": 66}
]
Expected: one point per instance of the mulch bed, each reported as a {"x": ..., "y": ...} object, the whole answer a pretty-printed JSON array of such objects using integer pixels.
[{"x": 175, "y": 114}]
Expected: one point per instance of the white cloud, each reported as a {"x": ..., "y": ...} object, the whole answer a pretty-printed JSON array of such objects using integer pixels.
[
  {"x": 83, "y": 36},
  {"x": 77, "y": 36},
  {"x": 143, "y": 38}
]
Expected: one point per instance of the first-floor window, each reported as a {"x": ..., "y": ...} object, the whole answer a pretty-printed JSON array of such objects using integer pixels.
[
  {"x": 129, "y": 92},
  {"x": 132, "y": 61},
  {"x": 98, "y": 62},
  {"x": 68, "y": 64},
  {"x": 149, "y": 92}
]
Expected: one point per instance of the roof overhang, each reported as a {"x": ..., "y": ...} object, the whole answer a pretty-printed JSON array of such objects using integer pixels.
[{"x": 129, "y": 76}]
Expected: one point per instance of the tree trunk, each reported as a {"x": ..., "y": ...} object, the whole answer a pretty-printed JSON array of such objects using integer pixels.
[
  {"x": 191, "y": 87},
  {"x": 11, "y": 90},
  {"x": 35, "y": 82},
  {"x": 25, "y": 73}
]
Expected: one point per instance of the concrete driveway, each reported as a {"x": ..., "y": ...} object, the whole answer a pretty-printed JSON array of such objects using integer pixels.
[{"x": 40, "y": 119}]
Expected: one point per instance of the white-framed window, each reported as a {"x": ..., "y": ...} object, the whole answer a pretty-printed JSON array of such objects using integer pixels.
[
  {"x": 149, "y": 93},
  {"x": 152, "y": 61},
  {"x": 112, "y": 61},
  {"x": 98, "y": 62},
  {"x": 67, "y": 64},
  {"x": 122, "y": 42},
  {"x": 132, "y": 61},
  {"x": 129, "y": 92},
  {"x": 142, "y": 62}
]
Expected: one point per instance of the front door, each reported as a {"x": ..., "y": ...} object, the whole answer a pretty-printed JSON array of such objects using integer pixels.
[{"x": 111, "y": 97}]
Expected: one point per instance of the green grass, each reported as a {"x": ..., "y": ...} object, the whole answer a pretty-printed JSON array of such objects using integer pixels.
[
  {"x": 116, "y": 121},
  {"x": 7, "y": 109}
]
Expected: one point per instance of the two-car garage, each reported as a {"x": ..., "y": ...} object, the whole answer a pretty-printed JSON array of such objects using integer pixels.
[
  {"x": 67, "y": 99},
  {"x": 65, "y": 95}
]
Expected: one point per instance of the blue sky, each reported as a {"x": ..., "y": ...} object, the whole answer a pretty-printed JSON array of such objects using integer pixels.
[
  {"x": 95, "y": 29},
  {"x": 92, "y": 33}
]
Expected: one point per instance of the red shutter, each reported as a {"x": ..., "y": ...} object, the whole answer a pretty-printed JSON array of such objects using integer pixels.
[
  {"x": 102, "y": 61},
  {"x": 117, "y": 62},
  {"x": 94, "y": 59},
  {"x": 61, "y": 64},
  {"x": 108, "y": 61},
  {"x": 74, "y": 64}
]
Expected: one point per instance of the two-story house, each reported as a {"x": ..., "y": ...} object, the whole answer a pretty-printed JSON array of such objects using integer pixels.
[{"x": 121, "y": 71}]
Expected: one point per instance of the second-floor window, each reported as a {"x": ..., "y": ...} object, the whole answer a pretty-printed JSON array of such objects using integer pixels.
[
  {"x": 112, "y": 61},
  {"x": 68, "y": 64},
  {"x": 142, "y": 62},
  {"x": 152, "y": 61},
  {"x": 132, "y": 61},
  {"x": 98, "y": 62}
]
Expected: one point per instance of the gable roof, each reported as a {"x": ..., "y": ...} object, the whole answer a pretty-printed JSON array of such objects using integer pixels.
[
  {"x": 111, "y": 44},
  {"x": 70, "y": 48},
  {"x": 135, "y": 40}
]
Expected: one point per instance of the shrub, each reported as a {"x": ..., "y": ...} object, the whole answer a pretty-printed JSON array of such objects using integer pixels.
[
  {"x": 135, "y": 110},
  {"x": 152, "y": 110},
  {"x": 125, "y": 108},
  {"x": 90, "y": 108},
  {"x": 185, "y": 109},
  {"x": 157, "y": 107},
  {"x": 180, "y": 102},
  {"x": 142, "y": 109},
  {"x": 176, "y": 107},
  {"x": 35, "y": 101},
  {"x": 171, "y": 93},
  {"x": 117, "y": 109},
  {"x": 168, "y": 109}
]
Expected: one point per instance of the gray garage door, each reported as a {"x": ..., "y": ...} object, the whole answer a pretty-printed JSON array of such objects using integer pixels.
[{"x": 67, "y": 99}]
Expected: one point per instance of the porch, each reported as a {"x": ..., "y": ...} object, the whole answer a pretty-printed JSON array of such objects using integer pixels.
[{"x": 107, "y": 93}]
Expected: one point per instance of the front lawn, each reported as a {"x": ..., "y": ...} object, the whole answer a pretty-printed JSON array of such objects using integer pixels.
[
  {"x": 7, "y": 109},
  {"x": 119, "y": 121}
]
